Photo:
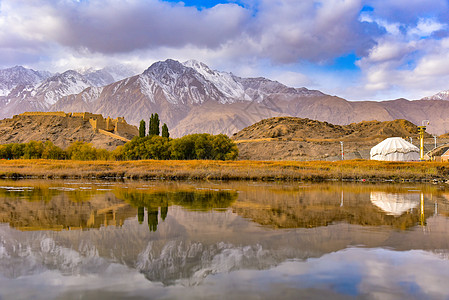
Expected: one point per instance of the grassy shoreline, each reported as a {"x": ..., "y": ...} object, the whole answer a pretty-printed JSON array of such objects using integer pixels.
[{"x": 225, "y": 170}]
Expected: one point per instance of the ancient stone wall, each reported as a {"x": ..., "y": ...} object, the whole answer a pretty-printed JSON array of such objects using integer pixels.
[
  {"x": 38, "y": 113},
  {"x": 117, "y": 126},
  {"x": 121, "y": 127}
]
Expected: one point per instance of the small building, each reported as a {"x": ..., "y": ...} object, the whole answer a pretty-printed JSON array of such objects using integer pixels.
[
  {"x": 395, "y": 149},
  {"x": 445, "y": 156}
]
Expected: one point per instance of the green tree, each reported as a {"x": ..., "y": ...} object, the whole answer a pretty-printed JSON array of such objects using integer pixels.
[
  {"x": 165, "y": 133},
  {"x": 135, "y": 149},
  {"x": 17, "y": 151},
  {"x": 102, "y": 154},
  {"x": 150, "y": 125},
  {"x": 158, "y": 147},
  {"x": 142, "y": 128},
  {"x": 53, "y": 152},
  {"x": 81, "y": 151},
  {"x": 154, "y": 125},
  {"x": 5, "y": 151},
  {"x": 183, "y": 148},
  {"x": 203, "y": 146},
  {"x": 223, "y": 148},
  {"x": 33, "y": 150},
  {"x": 118, "y": 153}
]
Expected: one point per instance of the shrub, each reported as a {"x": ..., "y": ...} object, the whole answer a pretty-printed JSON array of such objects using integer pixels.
[
  {"x": 6, "y": 151},
  {"x": 53, "y": 152},
  {"x": 204, "y": 146},
  {"x": 33, "y": 150},
  {"x": 17, "y": 151},
  {"x": 81, "y": 151}
]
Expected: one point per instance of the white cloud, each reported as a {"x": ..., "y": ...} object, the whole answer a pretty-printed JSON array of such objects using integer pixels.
[
  {"x": 281, "y": 30},
  {"x": 291, "y": 78},
  {"x": 426, "y": 27},
  {"x": 401, "y": 44},
  {"x": 288, "y": 31},
  {"x": 406, "y": 62}
]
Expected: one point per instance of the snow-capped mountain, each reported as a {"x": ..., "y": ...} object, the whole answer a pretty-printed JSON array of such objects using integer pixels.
[
  {"x": 108, "y": 75},
  {"x": 68, "y": 83},
  {"x": 167, "y": 86},
  {"x": 19, "y": 76},
  {"x": 247, "y": 89},
  {"x": 190, "y": 98},
  {"x": 444, "y": 95},
  {"x": 180, "y": 84},
  {"x": 226, "y": 83},
  {"x": 212, "y": 101},
  {"x": 41, "y": 96}
]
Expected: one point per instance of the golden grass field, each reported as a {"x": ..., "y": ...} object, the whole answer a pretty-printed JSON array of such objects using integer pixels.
[{"x": 226, "y": 170}]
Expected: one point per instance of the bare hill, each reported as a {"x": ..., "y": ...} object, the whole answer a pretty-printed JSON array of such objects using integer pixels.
[
  {"x": 289, "y": 138},
  {"x": 62, "y": 131},
  {"x": 192, "y": 98}
]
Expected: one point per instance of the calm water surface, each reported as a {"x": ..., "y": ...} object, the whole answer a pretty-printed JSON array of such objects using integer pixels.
[{"x": 168, "y": 240}]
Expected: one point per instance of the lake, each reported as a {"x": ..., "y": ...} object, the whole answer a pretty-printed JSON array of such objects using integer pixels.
[{"x": 223, "y": 240}]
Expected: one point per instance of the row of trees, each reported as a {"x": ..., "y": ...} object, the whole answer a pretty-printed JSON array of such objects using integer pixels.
[
  {"x": 32, "y": 150},
  {"x": 153, "y": 127},
  {"x": 194, "y": 146},
  {"x": 47, "y": 150}
]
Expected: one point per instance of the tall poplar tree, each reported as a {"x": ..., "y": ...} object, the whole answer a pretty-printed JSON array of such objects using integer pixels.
[
  {"x": 142, "y": 128},
  {"x": 156, "y": 124},
  {"x": 165, "y": 132}
]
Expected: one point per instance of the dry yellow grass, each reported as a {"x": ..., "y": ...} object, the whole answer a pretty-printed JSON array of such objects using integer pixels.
[{"x": 226, "y": 170}]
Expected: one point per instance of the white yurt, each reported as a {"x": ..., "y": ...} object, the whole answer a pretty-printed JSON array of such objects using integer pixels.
[
  {"x": 395, "y": 149},
  {"x": 394, "y": 204}
]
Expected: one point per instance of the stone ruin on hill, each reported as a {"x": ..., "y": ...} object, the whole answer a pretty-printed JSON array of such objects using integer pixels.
[{"x": 116, "y": 128}]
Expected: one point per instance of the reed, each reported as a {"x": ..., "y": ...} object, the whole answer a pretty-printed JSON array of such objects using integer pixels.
[{"x": 225, "y": 170}]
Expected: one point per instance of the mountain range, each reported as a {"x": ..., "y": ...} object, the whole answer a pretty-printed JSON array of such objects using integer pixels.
[{"x": 190, "y": 97}]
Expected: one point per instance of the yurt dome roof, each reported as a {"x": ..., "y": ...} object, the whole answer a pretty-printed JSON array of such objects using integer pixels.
[{"x": 393, "y": 145}]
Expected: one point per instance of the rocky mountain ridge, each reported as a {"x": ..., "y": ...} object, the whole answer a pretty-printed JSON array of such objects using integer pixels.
[
  {"x": 190, "y": 97},
  {"x": 19, "y": 76},
  {"x": 444, "y": 95}
]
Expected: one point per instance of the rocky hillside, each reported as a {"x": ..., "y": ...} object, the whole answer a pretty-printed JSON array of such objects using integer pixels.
[
  {"x": 62, "y": 131},
  {"x": 192, "y": 98},
  {"x": 289, "y": 138}
]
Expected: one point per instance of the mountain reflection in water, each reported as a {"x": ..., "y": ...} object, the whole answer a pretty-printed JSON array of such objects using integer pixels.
[{"x": 206, "y": 240}]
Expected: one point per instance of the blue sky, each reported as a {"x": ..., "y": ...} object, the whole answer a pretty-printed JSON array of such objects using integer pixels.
[{"x": 356, "y": 49}]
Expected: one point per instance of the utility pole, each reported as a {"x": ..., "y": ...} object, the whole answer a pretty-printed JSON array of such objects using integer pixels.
[
  {"x": 421, "y": 132},
  {"x": 342, "y": 152}
]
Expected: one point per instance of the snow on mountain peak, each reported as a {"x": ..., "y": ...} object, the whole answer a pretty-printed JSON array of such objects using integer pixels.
[
  {"x": 19, "y": 76},
  {"x": 444, "y": 95},
  {"x": 197, "y": 65},
  {"x": 108, "y": 75},
  {"x": 225, "y": 82},
  {"x": 68, "y": 83},
  {"x": 188, "y": 83}
]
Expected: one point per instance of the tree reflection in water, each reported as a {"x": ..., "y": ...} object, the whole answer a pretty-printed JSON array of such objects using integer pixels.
[
  {"x": 264, "y": 241},
  {"x": 191, "y": 200},
  {"x": 62, "y": 208}
]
